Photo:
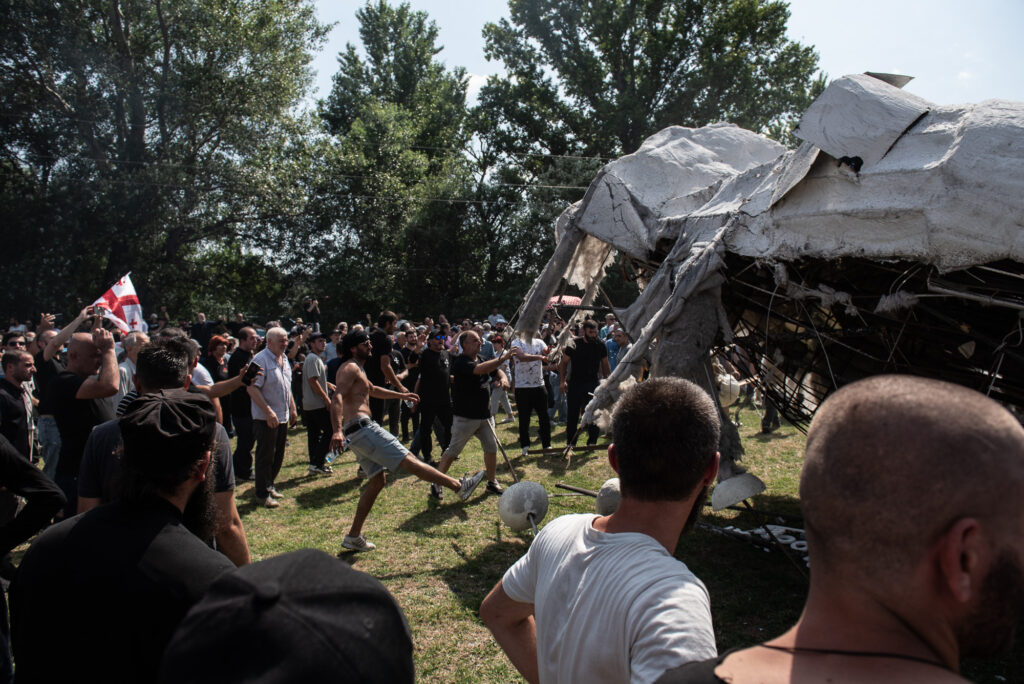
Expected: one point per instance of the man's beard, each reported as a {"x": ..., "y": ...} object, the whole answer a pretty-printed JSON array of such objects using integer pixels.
[
  {"x": 200, "y": 515},
  {"x": 989, "y": 629},
  {"x": 698, "y": 506}
]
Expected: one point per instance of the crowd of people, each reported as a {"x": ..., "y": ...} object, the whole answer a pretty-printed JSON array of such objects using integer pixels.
[{"x": 118, "y": 448}]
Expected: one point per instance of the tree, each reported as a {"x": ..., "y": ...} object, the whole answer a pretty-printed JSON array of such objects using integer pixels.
[
  {"x": 399, "y": 176},
  {"x": 136, "y": 135},
  {"x": 599, "y": 77}
]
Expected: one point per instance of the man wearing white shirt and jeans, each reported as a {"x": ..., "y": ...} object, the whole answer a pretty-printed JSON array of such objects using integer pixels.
[
  {"x": 272, "y": 400},
  {"x": 601, "y": 598},
  {"x": 530, "y": 393}
]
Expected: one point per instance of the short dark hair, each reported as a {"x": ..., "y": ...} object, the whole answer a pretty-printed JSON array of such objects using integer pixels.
[
  {"x": 385, "y": 318},
  {"x": 12, "y": 358},
  {"x": 8, "y": 336},
  {"x": 163, "y": 364},
  {"x": 590, "y": 324},
  {"x": 666, "y": 433}
]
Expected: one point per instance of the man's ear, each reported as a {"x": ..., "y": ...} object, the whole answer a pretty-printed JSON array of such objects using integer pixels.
[
  {"x": 613, "y": 458},
  {"x": 711, "y": 472},
  {"x": 959, "y": 555},
  {"x": 203, "y": 467}
]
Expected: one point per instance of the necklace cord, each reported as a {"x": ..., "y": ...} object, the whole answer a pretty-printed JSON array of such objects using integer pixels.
[{"x": 793, "y": 650}]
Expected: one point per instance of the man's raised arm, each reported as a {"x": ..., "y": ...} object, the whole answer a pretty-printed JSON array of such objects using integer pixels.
[{"x": 61, "y": 338}]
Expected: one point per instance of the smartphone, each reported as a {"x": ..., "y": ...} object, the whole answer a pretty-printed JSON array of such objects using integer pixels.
[
  {"x": 99, "y": 310},
  {"x": 250, "y": 373}
]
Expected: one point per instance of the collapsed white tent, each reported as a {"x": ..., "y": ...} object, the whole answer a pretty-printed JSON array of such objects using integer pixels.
[{"x": 882, "y": 176}]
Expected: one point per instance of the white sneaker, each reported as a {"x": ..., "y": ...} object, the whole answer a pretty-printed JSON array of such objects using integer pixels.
[
  {"x": 269, "y": 502},
  {"x": 358, "y": 543},
  {"x": 469, "y": 484}
]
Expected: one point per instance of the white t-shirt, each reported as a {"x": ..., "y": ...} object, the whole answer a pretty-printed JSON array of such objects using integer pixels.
[
  {"x": 609, "y": 607},
  {"x": 201, "y": 376},
  {"x": 529, "y": 373}
]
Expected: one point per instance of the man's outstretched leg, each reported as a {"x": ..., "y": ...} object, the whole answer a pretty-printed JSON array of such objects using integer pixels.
[
  {"x": 464, "y": 487},
  {"x": 355, "y": 539}
]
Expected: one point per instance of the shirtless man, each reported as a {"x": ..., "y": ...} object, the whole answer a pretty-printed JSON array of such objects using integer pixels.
[{"x": 376, "y": 449}]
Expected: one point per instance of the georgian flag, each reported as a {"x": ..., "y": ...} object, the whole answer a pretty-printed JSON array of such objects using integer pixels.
[{"x": 122, "y": 305}]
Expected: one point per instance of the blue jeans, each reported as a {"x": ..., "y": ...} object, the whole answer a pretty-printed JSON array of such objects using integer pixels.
[
  {"x": 49, "y": 439},
  {"x": 560, "y": 407}
]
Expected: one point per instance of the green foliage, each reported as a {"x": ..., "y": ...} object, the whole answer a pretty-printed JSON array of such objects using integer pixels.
[
  {"x": 414, "y": 227},
  {"x": 135, "y": 134},
  {"x": 598, "y": 78},
  {"x": 167, "y": 139}
]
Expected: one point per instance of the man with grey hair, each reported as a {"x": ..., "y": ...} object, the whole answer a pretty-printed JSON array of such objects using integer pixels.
[
  {"x": 133, "y": 341},
  {"x": 273, "y": 412},
  {"x": 913, "y": 518},
  {"x": 601, "y": 598}
]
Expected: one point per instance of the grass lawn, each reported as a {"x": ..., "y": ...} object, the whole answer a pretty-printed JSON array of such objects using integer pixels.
[{"x": 441, "y": 559}]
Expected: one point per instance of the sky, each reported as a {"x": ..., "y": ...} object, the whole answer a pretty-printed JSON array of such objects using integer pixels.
[{"x": 959, "y": 51}]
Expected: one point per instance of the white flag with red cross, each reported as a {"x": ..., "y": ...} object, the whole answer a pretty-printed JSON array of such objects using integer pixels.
[{"x": 121, "y": 305}]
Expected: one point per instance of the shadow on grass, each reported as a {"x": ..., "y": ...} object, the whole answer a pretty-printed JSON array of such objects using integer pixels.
[
  {"x": 439, "y": 512},
  {"x": 471, "y": 580},
  {"x": 755, "y": 595},
  {"x": 324, "y": 496},
  {"x": 772, "y": 509}
]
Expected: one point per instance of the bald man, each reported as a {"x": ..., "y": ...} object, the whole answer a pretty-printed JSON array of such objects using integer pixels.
[
  {"x": 914, "y": 522},
  {"x": 78, "y": 396}
]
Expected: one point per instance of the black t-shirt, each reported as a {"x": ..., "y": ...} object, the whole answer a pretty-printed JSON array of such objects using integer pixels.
[
  {"x": 235, "y": 326},
  {"x": 46, "y": 371},
  {"x": 381, "y": 343},
  {"x": 435, "y": 371},
  {"x": 132, "y": 572},
  {"x": 397, "y": 365},
  {"x": 586, "y": 360},
  {"x": 471, "y": 395},
  {"x": 75, "y": 419},
  {"x": 412, "y": 360},
  {"x": 240, "y": 397},
  {"x": 201, "y": 333},
  {"x": 102, "y": 453},
  {"x": 13, "y": 416},
  {"x": 218, "y": 369}
]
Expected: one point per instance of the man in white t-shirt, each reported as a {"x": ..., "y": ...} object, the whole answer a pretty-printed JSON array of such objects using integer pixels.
[
  {"x": 531, "y": 397},
  {"x": 602, "y": 599}
]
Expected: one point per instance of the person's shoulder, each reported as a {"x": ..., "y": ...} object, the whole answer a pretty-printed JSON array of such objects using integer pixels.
[
  {"x": 106, "y": 430},
  {"x": 50, "y": 542}
]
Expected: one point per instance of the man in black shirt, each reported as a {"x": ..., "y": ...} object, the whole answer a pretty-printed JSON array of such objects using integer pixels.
[
  {"x": 78, "y": 403},
  {"x": 471, "y": 406},
  {"x": 435, "y": 400},
  {"x": 241, "y": 407},
  {"x": 15, "y": 403},
  {"x": 164, "y": 364},
  {"x": 42, "y": 500},
  {"x": 589, "y": 358},
  {"x": 378, "y": 368},
  {"x": 411, "y": 354},
  {"x": 127, "y": 572}
]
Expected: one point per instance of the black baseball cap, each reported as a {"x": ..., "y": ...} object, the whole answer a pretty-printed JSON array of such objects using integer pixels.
[{"x": 303, "y": 616}]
